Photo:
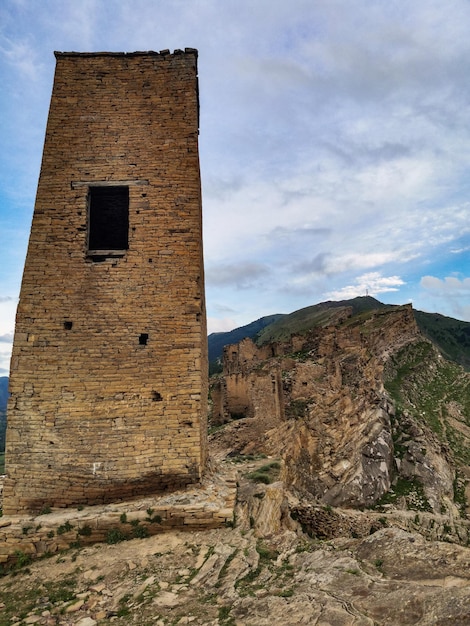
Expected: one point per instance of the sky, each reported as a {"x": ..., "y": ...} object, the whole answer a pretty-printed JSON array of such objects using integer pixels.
[{"x": 334, "y": 143}]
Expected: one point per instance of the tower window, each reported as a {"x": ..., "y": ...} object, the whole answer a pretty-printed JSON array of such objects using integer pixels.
[{"x": 108, "y": 218}]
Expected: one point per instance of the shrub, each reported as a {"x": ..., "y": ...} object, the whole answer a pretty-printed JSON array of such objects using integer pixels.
[{"x": 115, "y": 535}]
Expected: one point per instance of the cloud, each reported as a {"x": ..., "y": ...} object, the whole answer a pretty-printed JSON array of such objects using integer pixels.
[
  {"x": 450, "y": 286},
  {"x": 223, "y": 308},
  {"x": 313, "y": 265},
  {"x": 334, "y": 137},
  {"x": 240, "y": 275},
  {"x": 6, "y": 338},
  {"x": 22, "y": 56},
  {"x": 289, "y": 235},
  {"x": 220, "y": 325},
  {"x": 372, "y": 284},
  {"x": 449, "y": 296}
]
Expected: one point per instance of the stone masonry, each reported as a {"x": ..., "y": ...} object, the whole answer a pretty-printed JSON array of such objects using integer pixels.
[{"x": 109, "y": 367}]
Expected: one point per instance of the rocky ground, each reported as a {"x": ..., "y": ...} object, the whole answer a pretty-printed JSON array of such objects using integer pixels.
[{"x": 264, "y": 570}]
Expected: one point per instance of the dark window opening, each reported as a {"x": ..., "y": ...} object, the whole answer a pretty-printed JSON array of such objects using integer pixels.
[
  {"x": 108, "y": 218},
  {"x": 143, "y": 338},
  {"x": 68, "y": 325},
  {"x": 156, "y": 397}
]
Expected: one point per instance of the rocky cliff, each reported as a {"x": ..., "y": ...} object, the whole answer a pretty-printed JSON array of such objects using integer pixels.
[{"x": 357, "y": 410}]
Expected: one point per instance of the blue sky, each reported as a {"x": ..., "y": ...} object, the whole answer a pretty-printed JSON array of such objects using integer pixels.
[{"x": 334, "y": 143}]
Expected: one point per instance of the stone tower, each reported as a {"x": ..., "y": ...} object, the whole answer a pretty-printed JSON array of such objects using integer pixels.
[{"x": 109, "y": 366}]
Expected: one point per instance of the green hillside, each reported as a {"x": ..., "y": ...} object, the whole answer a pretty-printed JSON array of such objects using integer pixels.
[
  {"x": 3, "y": 392},
  {"x": 322, "y": 314},
  {"x": 451, "y": 336}
]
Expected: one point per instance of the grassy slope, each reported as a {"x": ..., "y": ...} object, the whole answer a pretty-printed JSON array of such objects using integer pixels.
[
  {"x": 451, "y": 336},
  {"x": 301, "y": 321},
  {"x": 427, "y": 386}
]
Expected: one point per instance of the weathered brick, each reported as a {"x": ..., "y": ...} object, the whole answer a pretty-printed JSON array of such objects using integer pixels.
[{"x": 109, "y": 365}]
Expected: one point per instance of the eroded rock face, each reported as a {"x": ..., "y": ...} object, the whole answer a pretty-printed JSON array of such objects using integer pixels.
[{"x": 318, "y": 402}]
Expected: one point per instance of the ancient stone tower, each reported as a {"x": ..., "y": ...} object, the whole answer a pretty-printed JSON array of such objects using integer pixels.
[{"x": 109, "y": 366}]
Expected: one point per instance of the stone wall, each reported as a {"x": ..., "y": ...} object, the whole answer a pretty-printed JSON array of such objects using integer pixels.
[
  {"x": 109, "y": 367},
  {"x": 251, "y": 385},
  {"x": 207, "y": 505}
]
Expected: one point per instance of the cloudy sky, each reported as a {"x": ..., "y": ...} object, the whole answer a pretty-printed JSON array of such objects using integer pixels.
[{"x": 334, "y": 143}]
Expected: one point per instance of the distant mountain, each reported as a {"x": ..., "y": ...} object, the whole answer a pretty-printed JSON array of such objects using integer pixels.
[
  {"x": 451, "y": 336},
  {"x": 217, "y": 341},
  {"x": 299, "y": 322},
  {"x": 3, "y": 392},
  {"x": 3, "y": 414}
]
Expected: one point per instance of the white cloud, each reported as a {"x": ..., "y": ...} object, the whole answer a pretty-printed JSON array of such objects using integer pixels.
[
  {"x": 22, "y": 56},
  {"x": 335, "y": 136},
  {"x": 372, "y": 284},
  {"x": 6, "y": 338},
  {"x": 449, "y": 296},
  {"x": 450, "y": 286},
  {"x": 240, "y": 275},
  {"x": 220, "y": 325}
]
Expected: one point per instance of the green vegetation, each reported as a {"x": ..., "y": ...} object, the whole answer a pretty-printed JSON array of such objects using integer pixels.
[
  {"x": 123, "y": 609},
  {"x": 460, "y": 497},
  {"x": 225, "y": 566},
  {"x": 323, "y": 314},
  {"x": 427, "y": 387},
  {"x": 44, "y": 596},
  {"x": 140, "y": 532},
  {"x": 64, "y": 528},
  {"x": 266, "y": 554},
  {"x": 450, "y": 335},
  {"x": 411, "y": 490},
  {"x": 296, "y": 409},
  {"x": 115, "y": 535},
  {"x": 266, "y": 474},
  {"x": 243, "y": 458},
  {"x": 224, "y": 616},
  {"x": 267, "y": 571}
]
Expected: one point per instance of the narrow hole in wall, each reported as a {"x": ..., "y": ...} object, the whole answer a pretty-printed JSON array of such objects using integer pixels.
[
  {"x": 156, "y": 397},
  {"x": 143, "y": 339},
  {"x": 68, "y": 325},
  {"x": 150, "y": 260}
]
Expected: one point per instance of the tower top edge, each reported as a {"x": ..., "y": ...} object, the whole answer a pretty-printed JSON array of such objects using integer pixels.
[{"x": 161, "y": 53}]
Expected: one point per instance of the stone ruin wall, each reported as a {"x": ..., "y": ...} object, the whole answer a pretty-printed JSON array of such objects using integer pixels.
[
  {"x": 109, "y": 368},
  {"x": 261, "y": 381},
  {"x": 247, "y": 389}
]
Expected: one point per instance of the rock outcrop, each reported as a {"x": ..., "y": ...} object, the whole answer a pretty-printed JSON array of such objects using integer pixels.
[{"x": 318, "y": 401}]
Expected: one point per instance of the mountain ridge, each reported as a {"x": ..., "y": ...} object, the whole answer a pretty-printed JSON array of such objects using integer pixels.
[{"x": 451, "y": 336}]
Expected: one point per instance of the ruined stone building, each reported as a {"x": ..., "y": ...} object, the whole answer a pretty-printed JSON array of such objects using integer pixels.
[{"x": 109, "y": 367}]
